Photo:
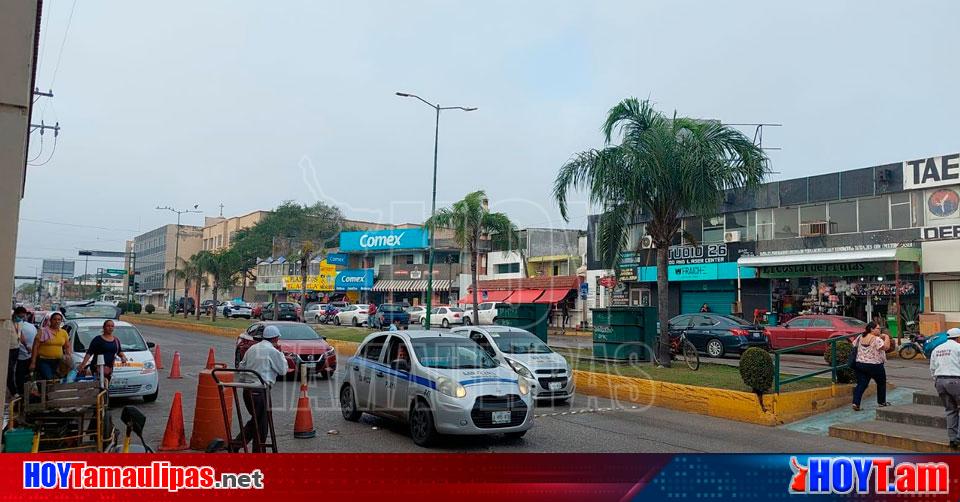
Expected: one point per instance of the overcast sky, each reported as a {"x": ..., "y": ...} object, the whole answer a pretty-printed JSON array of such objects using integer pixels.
[{"x": 249, "y": 103}]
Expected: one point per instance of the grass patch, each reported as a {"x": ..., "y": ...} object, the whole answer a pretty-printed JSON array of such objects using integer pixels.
[
  {"x": 345, "y": 333},
  {"x": 718, "y": 376},
  {"x": 191, "y": 320}
]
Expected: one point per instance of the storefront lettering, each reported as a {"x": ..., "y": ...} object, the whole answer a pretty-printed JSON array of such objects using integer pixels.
[
  {"x": 933, "y": 171},
  {"x": 707, "y": 253},
  {"x": 941, "y": 232},
  {"x": 815, "y": 268}
]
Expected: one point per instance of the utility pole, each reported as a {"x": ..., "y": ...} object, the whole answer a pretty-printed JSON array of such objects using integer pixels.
[{"x": 176, "y": 253}]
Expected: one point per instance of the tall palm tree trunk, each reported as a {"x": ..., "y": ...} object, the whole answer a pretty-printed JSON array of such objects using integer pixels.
[
  {"x": 197, "y": 308},
  {"x": 186, "y": 295},
  {"x": 243, "y": 289},
  {"x": 663, "y": 306},
  {"x": 216, "y": 287},
  {"x": 474, "y": 277}
]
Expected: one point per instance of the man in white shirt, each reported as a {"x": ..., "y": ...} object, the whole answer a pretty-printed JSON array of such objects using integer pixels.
[
  {"x": 945, "y": 368},
  {"x": 264, "y": 358},
  {"x": 27, "y": 333}
]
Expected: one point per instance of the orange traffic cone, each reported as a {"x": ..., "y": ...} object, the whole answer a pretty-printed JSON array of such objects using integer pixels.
[
  {"x": 211, "y": 360},
  {"x": 303, "y": 425},
  {"x": 175, "y": 368},
  {"x": 209, "y": 422},
  {"x": 174, "y": 437},
  {"x": 156, "y": 356}
]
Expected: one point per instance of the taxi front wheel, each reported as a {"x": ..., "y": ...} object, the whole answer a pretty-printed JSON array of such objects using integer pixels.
[
  {"x": 422, "y": 429},
  {"x": 348, "y": 404}
]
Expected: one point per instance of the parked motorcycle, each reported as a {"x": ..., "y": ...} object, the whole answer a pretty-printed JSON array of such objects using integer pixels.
[{"x": 910, "y": 349}]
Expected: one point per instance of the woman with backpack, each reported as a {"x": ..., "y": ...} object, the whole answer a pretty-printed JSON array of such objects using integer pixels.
[
  {"x": 108, "y": 346},
  {"x": 867, "y": 361}
]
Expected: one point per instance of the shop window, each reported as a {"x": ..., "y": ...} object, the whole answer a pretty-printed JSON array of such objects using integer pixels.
[
  {"x": 713, "y": 229},
  {"x": 693, "y": 228},
  {"x": 744, "y": 222},
  {"x": 843, "y": 217},
  {"x": 785, "y": 220},
  {"x": 813, "y": 220},
  {"x": 874, "y": 214},
  {"x": 900, "y": 210},
  {"x": 945, "y": 296},
  {"x": 508, "y": 268},
  {"x": 764, "y": 225},
  {"x": 403, "y": 259}
]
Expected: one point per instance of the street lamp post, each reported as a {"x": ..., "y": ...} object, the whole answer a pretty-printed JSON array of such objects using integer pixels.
[
  {"x": 433, "y": 202},
  {"x": 176, "y": 254}
]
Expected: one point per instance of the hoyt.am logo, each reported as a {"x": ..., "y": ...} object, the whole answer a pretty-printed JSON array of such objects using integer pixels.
[{"x": 878, "y": 475}]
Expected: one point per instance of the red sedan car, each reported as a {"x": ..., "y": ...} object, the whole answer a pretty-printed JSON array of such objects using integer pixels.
[
  {"x": 300, "y": 344},
  {"x": 810, "y": 328}
]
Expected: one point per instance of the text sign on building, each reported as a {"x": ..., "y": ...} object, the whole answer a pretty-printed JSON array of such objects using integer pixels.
[
  {"x": 337, "y": 259},
  {"x": 941, "y": 232},
  {"x": 705, "y": 253},
  {"x": 354, "y": 280},
  {"x": 378, "y": 240},
  {"x": 321, "y": 282},
  {"x": 931, "y": 172}
]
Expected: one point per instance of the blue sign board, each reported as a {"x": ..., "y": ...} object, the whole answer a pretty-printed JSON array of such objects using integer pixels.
[
  {"x": 584, "y": 290},
  {"x": 378, "y": 240},
  {"x": 337, "y": 259},
  {"x": 698, "y": 272},
  {"x": 354, "y": 280}
]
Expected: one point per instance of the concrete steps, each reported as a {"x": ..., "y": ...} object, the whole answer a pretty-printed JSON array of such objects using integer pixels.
[{"x": 917, "y": 426}]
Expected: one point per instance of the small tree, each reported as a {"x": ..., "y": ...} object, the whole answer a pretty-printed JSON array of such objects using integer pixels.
[
  {"x": 150, "y": 308},
  {"x": 756, "y": 370}
]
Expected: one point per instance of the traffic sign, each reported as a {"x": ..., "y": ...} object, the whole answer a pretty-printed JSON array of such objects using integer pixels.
[{"x": 116, "y": 271}]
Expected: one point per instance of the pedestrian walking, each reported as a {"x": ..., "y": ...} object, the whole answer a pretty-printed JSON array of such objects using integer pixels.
[
  {"x": 50, "y": 348},
  {"x": 871, "y": 353},
  {"x": 266, "y": 359},
  {"x": 565, "y": 314},
  {"x": 27, "y": 332},
  {"x": 945, "y": 368},
  {"x": 107, "y": 345},
  {"x": 14, "y": 351}
]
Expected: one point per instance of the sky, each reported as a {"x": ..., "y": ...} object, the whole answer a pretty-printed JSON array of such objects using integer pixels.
[{"x": 251, "y": 103}]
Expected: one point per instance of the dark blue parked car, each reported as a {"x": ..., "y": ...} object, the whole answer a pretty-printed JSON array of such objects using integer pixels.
[{"x": 719, "y": 334}]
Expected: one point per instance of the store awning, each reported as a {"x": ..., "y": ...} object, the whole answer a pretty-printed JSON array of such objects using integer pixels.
[
  {"x": 409, "y": 286},
  {"x": 553, "y": 296},
  {"x": 526, "y": 295},
  {"x": 492, "y": 296},
  {"x": 860, "y": 256}
]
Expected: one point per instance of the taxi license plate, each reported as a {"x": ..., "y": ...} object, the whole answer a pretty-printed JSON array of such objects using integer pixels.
[
  {"x": 500, "y": 417},
  {"x": 555, "y": 385},
  {"x": 118, "y": 382}
]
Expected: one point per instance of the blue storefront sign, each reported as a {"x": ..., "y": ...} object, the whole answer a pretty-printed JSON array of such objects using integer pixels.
[
  {"x": 378, "y": 240},
  {"x": 698, "y": 272},
  {"x": 354, "y": 280},
  {"x": 337, "y": 259}
]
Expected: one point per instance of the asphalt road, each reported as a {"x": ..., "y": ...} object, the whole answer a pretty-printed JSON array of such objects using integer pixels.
[{"x": 587, "y": 424}]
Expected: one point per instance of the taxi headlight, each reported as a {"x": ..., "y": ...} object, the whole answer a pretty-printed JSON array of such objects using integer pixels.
[
  {"x": 520, "y": 368},
  {"x": 451, "y": 388},
  {"x": 524, "y": 386},
  {"x": 148, "y": 367}
]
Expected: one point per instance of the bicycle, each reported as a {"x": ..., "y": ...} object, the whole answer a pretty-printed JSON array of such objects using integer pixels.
[{"x": 684, "y": 351}]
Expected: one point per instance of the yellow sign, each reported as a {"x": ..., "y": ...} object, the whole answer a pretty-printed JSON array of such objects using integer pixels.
[{"x": 321, "y": 282}]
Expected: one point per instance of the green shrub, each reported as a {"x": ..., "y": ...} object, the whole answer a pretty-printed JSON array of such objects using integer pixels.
[
  {"x": 150, "y": 308},
  {"x": 846, "y": 375},
  {"x": 123, "y": 307},
  {"x": 756, "y": 370},
  {"x": 136, "y": 307},
  {"x": 171, "y": 309}
]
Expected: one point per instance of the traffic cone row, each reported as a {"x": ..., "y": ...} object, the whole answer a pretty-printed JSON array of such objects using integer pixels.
[
  {"x": 175, "y": 367},
  {"x": 174, "y": 437},
  {"x": 303, "y": 425},
  {"x": 156, "y": 357},
  {"x": 211, "y": 359}
]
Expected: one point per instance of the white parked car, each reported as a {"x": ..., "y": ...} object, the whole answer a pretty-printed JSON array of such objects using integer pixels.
[
  {"x": 314, "y": 311},
  {"x": 437, "y": 384},
  {"x": 549, "y": 373},
  {"x": 236, "y": 309},
  {"x": 443, "y": 316},
  {"x": 137, "y": 378},
  {"x": 416, "y": 312},
  {"x": 355, "y": 315},
  {"x": 488, "y": 313}
]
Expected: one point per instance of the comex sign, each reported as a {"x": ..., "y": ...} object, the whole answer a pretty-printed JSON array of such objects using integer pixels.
[{"x": 406, "y": 238}]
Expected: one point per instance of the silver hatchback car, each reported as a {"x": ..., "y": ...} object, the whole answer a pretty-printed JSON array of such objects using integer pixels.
[{"x": 435, "y": 382}]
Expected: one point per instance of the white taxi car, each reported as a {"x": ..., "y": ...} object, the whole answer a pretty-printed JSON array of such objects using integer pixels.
[
  {"x": 138, "y": 377},
  {"x": 549, "y": 373},
  {"x": 435, "y": 382}
]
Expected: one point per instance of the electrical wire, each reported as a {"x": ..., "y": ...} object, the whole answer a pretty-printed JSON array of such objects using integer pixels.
[
  {"x": 76, "y": 225},
  {"x": 55, "y": 140},
  {"x": 43, "y": 33},
  {"x": 63, "y": 43},
  {"x": 38, "y": 153}
]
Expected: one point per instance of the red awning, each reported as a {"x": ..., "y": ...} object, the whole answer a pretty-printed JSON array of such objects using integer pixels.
[
  {"x": 553, "y": 296},
  {"x": 525, "y": 295},
  {"x": 492, "y": 296}
]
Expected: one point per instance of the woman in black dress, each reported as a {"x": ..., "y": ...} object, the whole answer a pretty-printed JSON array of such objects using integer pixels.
[{"x": 105, "y": 345}]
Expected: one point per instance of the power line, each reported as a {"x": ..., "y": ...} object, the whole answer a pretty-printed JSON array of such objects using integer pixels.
[
  {"x": 77, "y": 225},
  {"x": 63, "y": 43},
  {"x": 55, "y": 141},
  {"x": 43, "y": 33}
]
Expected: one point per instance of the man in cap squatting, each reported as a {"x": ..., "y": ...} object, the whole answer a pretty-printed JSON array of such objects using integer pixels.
[
  {"x": 264, "y": 358},
  {"x": 945, "y": 368}
]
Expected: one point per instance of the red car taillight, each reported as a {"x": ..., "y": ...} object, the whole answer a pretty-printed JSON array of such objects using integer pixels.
[
  {"x": 456, "y": 315},
  {"x": 739, "y": 332}
]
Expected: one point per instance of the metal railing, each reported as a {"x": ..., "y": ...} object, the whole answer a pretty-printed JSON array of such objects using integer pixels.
[{"x": 833, "y": 369}]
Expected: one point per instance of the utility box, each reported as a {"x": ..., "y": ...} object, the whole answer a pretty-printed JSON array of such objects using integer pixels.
[
  {"x": 624, "y": 333},
  {"x": 533, "y": 317}
]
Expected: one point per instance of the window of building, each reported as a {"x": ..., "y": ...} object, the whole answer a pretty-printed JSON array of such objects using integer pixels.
[
  {"x": 900, "y": 210},
  {"x": 713, "y": 229},
  {"x": 693, "y": 227},
  {"x": 764, "y": 224},
  {"x": 919, "y": 206},
  {"x": 843, "y": 217},
  {"x": 945, "y": 296},
  {"x": 874, "y": 214},
  {"x": 403, "y": 259},
  {"x": 508, "y": 268},
  {"x": 785, "y": 221},
  {"x": 813, "y": 220},
  {"x": 634, "y": 234},
  {"x": 744, "y": 222},
  {"x": 556, "y": 270}
]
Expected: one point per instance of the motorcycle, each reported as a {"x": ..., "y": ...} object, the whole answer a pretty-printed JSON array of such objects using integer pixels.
[
  {"x": 327, "y": 316},
  {"x": 910, "y": 349}
]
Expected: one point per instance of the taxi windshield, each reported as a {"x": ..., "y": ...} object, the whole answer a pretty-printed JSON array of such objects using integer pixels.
[
  {"x": 130, "y": 339},
  {"x": 451, "y": 353},
  {"x": 100, "y": 311},
  {"x": 519, "y": 342}
]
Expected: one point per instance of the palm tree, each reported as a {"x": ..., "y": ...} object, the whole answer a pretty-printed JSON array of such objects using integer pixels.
[
  {"x": 471, "y": 220},
  {"x": 222, "y": 267},
  {"x": 303, "y": 255},
  {"x": 662, "y": 168}
]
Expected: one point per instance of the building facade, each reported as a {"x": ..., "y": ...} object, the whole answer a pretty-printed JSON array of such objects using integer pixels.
[
  {"x": 849, "y": 243},
  {"x": 219, "y": 232},
  {"x": 155, "y": 257}
]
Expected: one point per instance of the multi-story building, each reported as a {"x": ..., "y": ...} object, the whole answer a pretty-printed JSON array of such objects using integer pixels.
[
  {"x": 219, "y": 232},
  {"x": 155, "y": 258},
  {"x": 847, "y": 242}
]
